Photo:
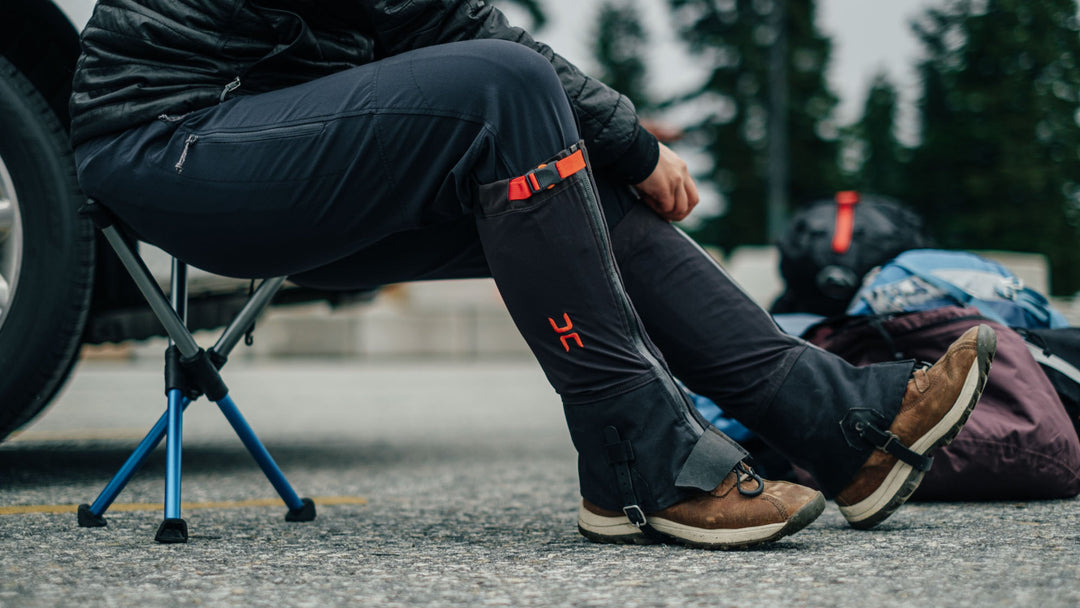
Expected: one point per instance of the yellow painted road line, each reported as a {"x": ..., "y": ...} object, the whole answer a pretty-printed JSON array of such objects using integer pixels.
[
  {"x": 146, "y": 506},
  {"x": 75, "y": 435}
]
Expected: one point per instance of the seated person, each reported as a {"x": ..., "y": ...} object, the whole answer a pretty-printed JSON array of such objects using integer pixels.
[{"x": 354, "y": 144}]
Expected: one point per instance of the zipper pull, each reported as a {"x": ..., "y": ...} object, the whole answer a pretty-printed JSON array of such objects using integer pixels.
[
  {"x": 190, "y": 141},
  {"x": 229, "y": 88}
]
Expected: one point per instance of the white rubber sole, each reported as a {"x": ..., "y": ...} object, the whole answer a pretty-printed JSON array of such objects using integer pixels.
[
  {"x": 903, "y": 479},
  {"x": 618, "y": 529}
]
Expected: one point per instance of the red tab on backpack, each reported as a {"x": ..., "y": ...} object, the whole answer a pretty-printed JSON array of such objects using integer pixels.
[{"x": 845, "y": 220}]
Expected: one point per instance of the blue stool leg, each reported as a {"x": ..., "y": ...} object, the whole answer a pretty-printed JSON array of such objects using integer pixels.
[
  {"x": 92, "y": 516},
  {"x": 173, "y": 460},
  {"x": 299, "y": 509},
  {"x": 173, "y": 529}
]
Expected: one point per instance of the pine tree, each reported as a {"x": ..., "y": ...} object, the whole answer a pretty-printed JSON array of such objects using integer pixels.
[
  {"x": 620, "y": 38},
  {"x": 736, "y": 36},
  {"x": 883, "y": 163},
  {"x": 998, "y": 166}
]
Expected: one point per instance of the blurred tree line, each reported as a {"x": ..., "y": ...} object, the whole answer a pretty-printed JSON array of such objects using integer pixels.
[{"x": 996, "y": 164}]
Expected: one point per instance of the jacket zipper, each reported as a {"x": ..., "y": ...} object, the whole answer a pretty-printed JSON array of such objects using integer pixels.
[
  {"x": 229, "y": 88},
  {"x": 190, "y": 141}
]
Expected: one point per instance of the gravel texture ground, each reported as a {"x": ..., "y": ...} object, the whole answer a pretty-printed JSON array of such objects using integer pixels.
[{"x": 443, "y": 484}]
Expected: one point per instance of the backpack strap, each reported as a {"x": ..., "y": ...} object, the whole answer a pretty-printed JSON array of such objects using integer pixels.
[{"x": 1054, "y": 362}]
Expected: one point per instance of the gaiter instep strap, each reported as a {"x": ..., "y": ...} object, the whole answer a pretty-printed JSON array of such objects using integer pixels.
[
  {"x": 889, "y": 443},
  {"x": 620, "y": 454}
]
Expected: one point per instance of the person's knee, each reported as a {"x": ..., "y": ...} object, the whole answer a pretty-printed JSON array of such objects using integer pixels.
[
  {"x": 522, "y": 68},
  {"x": 505, "y": 62},
  {"x": 507, "y": 90},
  {"x": 520, "y": 83}
]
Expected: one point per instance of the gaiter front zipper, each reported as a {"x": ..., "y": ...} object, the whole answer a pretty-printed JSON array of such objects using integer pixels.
[{"x": 637, "y": 334}]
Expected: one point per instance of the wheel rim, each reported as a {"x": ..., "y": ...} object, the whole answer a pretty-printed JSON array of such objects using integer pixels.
[{"x": 11, "y": 248}]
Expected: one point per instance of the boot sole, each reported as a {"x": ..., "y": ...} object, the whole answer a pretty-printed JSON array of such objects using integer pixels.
[
  {"x": 619, "y": 530},
  {"x": 903, "y": 479}
]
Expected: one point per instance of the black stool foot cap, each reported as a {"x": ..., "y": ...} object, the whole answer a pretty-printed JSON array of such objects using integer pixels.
[
  {"x": 87, "y": 519},
  {"x": 172, "y": 531},
  {"x": 304, "y": 513}
]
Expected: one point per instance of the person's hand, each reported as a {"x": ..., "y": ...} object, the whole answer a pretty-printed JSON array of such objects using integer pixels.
[{"x": 669, "y": 189}]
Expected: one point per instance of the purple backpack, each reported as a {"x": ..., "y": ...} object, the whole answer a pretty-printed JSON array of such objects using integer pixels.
[{"x": 1019, "y": 442}]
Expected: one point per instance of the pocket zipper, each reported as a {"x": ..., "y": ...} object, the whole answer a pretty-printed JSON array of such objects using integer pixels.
[
  {"x": 190, "y": 141},
  {"x": 247, "y": 136}
]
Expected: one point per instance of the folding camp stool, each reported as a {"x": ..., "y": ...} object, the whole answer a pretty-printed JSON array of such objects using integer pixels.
[{"x": 190, "y": 372}]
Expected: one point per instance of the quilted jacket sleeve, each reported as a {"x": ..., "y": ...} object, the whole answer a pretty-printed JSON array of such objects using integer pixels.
[{"x": 607, "y": 120}]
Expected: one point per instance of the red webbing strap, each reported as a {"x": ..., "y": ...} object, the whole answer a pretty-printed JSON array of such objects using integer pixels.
[
  {"x": 571, "y": 164},
  {"x": 519, "y": 190},
  {"x": 536, "y": 180},
  {"x": 845, "y": 220}
]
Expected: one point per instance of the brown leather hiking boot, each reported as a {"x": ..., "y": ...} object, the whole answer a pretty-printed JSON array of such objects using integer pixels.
[
  {"x": 937, "y": 403},
  {"x": 743, "y": 510}
]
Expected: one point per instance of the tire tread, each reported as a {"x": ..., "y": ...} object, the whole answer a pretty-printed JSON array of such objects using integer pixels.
[{"x": 36, "y": 388}]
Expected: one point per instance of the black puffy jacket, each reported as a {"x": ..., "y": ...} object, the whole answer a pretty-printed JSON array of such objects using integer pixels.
[{"x": 145, "y": 58}]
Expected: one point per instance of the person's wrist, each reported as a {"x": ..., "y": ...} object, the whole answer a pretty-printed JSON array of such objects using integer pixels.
[{"x": 640, "y": 158}]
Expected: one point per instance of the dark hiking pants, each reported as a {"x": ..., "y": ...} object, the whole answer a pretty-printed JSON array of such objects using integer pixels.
[{"x": 395, "y": 171}]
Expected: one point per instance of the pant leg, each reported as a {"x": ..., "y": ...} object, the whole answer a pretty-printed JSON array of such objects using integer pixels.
[
  {"x": 567, "y": 299},
  {"x": 295, "y": 180},
  {"x": 724, "y": 346},
  {"x": 443, "y": 251}
]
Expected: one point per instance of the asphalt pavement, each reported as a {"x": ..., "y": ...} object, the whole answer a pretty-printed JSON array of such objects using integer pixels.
[{"x": 441, "y": 484}]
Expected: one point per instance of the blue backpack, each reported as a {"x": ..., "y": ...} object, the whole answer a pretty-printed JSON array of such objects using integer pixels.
[{"x": 922, "y": 279}]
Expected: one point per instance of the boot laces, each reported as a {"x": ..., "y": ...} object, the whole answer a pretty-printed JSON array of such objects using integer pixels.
[{"x": 743, "y": 472}]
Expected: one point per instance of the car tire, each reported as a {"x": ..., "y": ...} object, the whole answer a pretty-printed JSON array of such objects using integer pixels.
[{"x": 46, "y": 253}]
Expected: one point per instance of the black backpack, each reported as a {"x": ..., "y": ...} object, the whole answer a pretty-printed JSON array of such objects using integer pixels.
[
  {"x": 1058, "y": 352},
  {"x": 830, "y": 244}
]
